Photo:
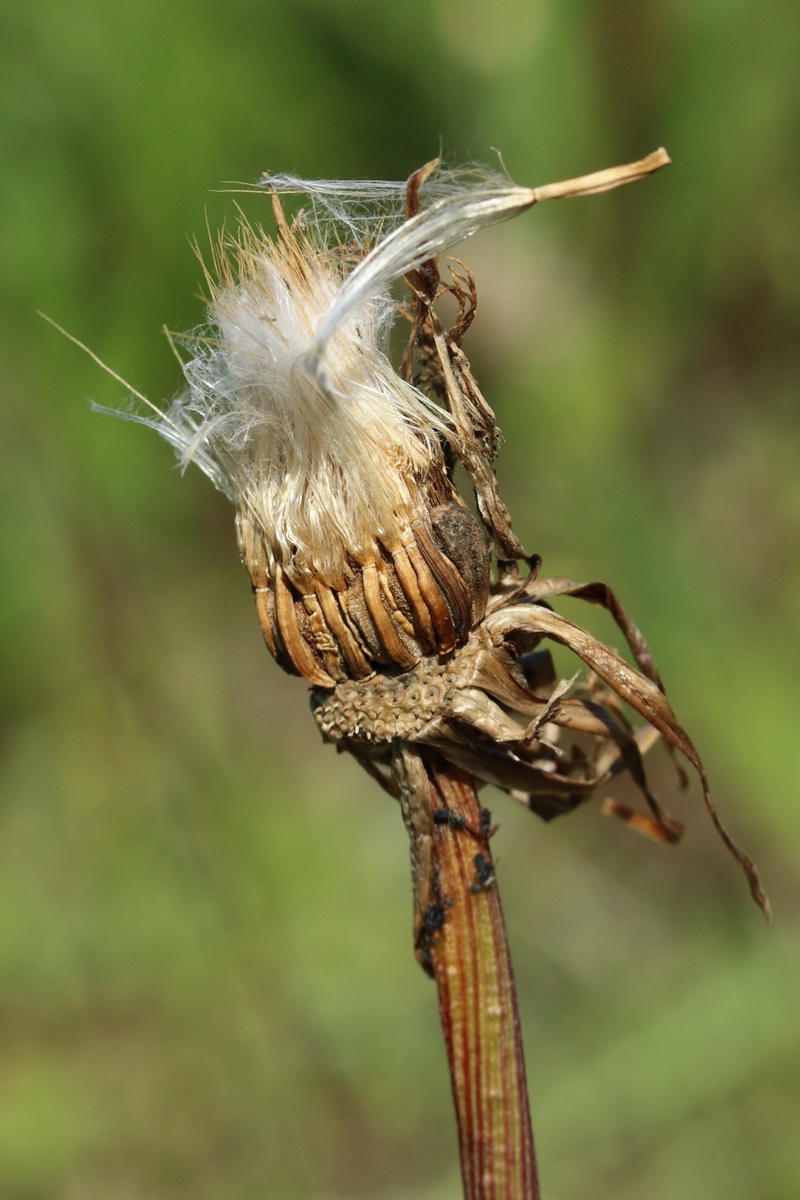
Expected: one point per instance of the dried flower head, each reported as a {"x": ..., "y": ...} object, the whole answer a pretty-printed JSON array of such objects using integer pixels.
[
  {"x": 420, "y": 626},
  {"x": 372, "y": 577}
]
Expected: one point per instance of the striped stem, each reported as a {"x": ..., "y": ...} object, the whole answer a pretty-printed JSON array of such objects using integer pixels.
[{"x": 469, "y": 958}]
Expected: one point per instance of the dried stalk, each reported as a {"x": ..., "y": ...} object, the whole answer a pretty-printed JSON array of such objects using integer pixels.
[{"x": 461, "y": 941}]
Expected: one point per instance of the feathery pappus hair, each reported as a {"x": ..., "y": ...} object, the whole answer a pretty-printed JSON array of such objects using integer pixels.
[{"x": 293, "y": 408}]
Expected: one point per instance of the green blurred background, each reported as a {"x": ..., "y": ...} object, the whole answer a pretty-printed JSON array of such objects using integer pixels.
[{"x": 207, "y": 986}]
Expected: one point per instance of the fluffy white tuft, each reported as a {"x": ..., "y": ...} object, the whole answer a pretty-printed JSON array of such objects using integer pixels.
[
  {"x": 293, "y": 408},
  {"x": 327, "y": 464}
]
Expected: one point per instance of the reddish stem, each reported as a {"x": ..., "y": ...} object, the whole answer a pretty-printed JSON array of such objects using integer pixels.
[{"x": 470, "y": 960}]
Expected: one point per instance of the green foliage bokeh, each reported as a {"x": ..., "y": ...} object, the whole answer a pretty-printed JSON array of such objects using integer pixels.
[{"x": 207, "y": 988}]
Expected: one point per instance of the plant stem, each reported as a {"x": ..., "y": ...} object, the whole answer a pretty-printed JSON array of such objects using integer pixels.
[{"x": 461, "y": 941}]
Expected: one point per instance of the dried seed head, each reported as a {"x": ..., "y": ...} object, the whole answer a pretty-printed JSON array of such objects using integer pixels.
[
  {"x": 335, "y": 463},
  {"x": 371, "y": 577},
  {"x": 361, "y": 552}
]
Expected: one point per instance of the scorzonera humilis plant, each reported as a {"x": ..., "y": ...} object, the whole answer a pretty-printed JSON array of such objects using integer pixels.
[{"x": 420, "y": 625}]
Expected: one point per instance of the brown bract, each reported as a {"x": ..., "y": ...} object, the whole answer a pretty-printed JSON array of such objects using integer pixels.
[{"x": 420, "y": 599}]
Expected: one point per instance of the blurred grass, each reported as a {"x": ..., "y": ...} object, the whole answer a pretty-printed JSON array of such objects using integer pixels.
[{"x": 207, "y": 987}]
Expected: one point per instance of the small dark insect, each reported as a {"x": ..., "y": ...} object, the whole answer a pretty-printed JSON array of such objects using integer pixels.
[
  {"x": 484, "y": 873},
  {"x": 446, "y": 816},
  {"x": 432, "y": 923},
  {"x": 487, "y": 828},
  {"x": 433, "y": 920}
]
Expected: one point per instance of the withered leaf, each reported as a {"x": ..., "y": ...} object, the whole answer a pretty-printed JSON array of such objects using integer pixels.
[{"x": 643, "y": 695}]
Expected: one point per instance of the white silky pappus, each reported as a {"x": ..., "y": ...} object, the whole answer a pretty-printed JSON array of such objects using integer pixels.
[{"x": 292, "y": 406}]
